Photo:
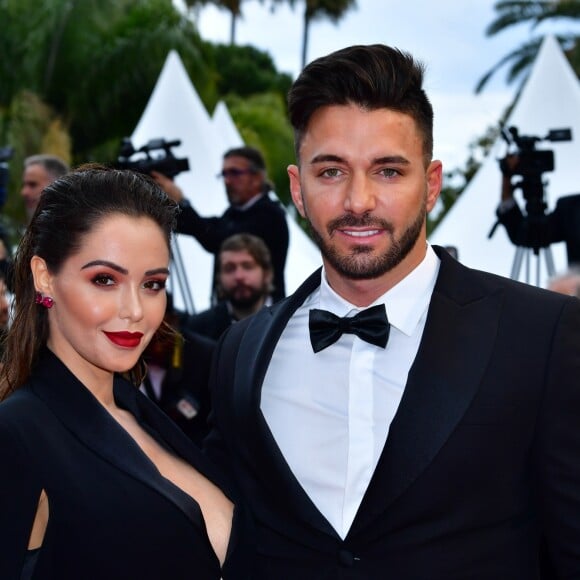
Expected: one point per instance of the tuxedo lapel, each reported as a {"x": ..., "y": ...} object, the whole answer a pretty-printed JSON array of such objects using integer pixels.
[
  {"x": 455, "y": 349},
  {"x": 255, "y": 352},
  {"x": 90, "y": 423}
]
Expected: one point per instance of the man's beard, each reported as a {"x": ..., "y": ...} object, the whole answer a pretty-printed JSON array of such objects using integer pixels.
[
  {"x": 245, "y": 300},
  {"x": 361, "y": 264}
]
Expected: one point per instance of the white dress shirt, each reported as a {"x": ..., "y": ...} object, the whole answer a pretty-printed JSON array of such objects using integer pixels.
[{"x": 330, "y": 412}]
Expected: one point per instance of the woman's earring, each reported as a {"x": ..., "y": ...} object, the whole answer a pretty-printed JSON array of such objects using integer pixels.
[{"x": 46, "y": 301}]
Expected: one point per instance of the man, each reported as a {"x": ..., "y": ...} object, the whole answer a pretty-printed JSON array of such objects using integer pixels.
[
  {"x": 178, "y": 366},
  {"x": 538, "y": 227},
  {"x": 39, "y": 171},
  {"x": 244, "y": 285},
  {"x": 443, "y": 445},
  {"x": 251, "y": 210}
]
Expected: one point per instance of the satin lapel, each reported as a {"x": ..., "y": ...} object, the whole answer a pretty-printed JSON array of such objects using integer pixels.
[
  {"x": 90, "y": 423},
  {"x": 260, "y": 449},
  {"x": 455, "y": 349}
]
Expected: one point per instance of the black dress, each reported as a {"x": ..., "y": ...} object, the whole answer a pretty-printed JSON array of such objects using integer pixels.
[{"x": 112, "y": 514}]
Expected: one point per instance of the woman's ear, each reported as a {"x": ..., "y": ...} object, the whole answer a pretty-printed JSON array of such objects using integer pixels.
[{"x": 41, "y": 275}]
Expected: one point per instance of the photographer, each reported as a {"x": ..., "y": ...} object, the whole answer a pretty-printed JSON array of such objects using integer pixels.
[
  {"x": 251, "y": 211},
  {"x": 562, "y": 225}
]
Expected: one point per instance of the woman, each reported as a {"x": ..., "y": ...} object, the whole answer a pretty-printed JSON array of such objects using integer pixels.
[{"x": 96, "y": 481}]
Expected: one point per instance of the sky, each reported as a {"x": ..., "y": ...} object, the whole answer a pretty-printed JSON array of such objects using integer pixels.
[{"x": 447, "y": 35}]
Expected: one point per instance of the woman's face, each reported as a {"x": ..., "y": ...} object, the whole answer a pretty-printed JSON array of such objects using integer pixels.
[{"x": 109, "y": 297}]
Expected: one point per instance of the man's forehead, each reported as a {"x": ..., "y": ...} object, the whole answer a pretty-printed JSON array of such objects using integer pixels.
[
  {"x": 237, "y": 256},
  {"x": 236, "y": 160}
]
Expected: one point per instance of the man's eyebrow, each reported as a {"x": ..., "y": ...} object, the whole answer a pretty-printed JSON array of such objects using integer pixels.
[
  {"x": 394, "y": 159},
  {"x": 326, "y": 157}
]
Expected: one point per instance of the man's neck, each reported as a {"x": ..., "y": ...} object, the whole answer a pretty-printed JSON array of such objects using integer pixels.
[{"x": 239, "y": 313}]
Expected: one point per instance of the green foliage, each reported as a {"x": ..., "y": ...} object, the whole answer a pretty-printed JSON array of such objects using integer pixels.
[
  {"x": 534, "y": 12},
  {"x": 245, "y": 70},
  {"x": 262, "y": 123}
]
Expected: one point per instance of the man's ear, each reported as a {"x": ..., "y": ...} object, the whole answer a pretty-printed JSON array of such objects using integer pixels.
[
  {"x": 41, "y": 276},
  {"x": 296, "y": 188}
]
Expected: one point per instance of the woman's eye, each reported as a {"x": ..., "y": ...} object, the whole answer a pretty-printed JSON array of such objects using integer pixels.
[
  {"x": 103, "y": 280},
  {"x": 155, "y": 285}
]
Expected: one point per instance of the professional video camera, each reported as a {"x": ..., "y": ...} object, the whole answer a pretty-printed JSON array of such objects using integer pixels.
[
  {"x": 529, "y": 162},
  {"x": 5, "y": 155},
  {"x": 145, "y": 162}
]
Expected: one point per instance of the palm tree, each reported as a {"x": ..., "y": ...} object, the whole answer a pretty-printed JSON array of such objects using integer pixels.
[
  {"x": 234, "y": 7},
  {"x": 535, "y": 12},
  {"x": 333, "y": 10}
]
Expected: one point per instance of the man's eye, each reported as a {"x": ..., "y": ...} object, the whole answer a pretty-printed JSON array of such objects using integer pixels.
[
  {"x": 389, "y": 172},
  {"x": 331, "y": 172}
]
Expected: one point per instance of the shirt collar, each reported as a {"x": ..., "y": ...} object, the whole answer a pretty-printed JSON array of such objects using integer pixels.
[{"x": 405, "y": 303}]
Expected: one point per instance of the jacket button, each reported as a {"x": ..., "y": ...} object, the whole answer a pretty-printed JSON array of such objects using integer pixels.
[{"x": 345, "y": 558}]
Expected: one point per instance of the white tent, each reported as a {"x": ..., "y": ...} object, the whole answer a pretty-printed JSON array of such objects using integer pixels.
[
  {"x": 549, "y": 100},
  {"x": 175, "y": 112}
]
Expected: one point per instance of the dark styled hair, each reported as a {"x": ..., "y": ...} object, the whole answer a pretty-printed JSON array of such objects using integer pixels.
[
  {"x": 256, "y": 159},
  {"x": 69, "y": 209},
  {"x": 369, "y": 76},
  {"x": 54, "y": 166}
]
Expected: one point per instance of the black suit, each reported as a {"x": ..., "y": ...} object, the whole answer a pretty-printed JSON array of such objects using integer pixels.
[
  {"x": 265, "y": 218},
  {"x": 211, "y": 322},
  {"x": 481, "y": 459},
  {"x": 561, "y": 225},
  {"x": 112, "y": 515},
  {"x": 184, "y": 392}
]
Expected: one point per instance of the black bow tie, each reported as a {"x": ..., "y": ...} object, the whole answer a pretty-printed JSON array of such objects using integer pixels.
[{"x": 371, "y": 325}]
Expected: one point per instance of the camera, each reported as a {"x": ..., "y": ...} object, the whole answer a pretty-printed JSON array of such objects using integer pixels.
[
  {"x": 5, "y": 155},
  {"x": 528, "y": 161},
  {"x": 144, "y": 161}
]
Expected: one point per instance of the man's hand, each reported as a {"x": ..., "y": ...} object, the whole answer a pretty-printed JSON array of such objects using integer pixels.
[{"x": 168, "y": 186}]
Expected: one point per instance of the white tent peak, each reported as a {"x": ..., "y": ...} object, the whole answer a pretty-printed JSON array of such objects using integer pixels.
[
  {"x": 175, "y": 112},
  {"x": 550, "y": 99}
]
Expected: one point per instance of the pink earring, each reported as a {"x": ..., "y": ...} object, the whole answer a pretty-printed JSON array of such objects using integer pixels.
[{"x": 46, "y": 301}]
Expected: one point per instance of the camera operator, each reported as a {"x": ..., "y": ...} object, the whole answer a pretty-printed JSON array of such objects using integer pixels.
[
  {"x": 562, "y": 225},
  {"x": 251, "y": 211}
]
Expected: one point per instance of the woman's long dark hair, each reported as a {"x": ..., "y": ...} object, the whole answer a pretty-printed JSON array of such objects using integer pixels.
[{"x": 68, "y": 210}]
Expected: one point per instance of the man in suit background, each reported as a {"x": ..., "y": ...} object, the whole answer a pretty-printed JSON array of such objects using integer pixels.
[
  {"x": 178, "y": 367},
  {"x": 251, "y": 211},
  {"x": 441, "y": 442}
]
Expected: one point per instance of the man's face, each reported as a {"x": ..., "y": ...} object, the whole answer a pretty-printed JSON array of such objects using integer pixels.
[
  {"x": 364, "y": 187},
  {"x": 243, "y": 281},
  {"x": 242, "y": 184},
  {"x": 34, "y": 179}
]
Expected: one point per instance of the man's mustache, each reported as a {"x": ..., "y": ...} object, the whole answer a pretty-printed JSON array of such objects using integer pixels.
[{"x": 366, "y": 220}]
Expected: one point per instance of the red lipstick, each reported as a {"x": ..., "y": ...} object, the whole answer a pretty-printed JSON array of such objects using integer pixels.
[{"x": 125, "y": 339}]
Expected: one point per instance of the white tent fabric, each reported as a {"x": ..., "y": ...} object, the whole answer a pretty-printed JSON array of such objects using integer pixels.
[
  {"x": 225, "y": 126},
  {"x": 303, "y": 256},
  {"x": 175, "y": 112},
  {"x": 549, "y": 100}
]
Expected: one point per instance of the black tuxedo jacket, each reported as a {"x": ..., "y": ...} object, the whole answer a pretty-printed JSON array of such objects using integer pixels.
[
  {"x": 481, "y": 460},
  {"x": 112, "y": 514}
]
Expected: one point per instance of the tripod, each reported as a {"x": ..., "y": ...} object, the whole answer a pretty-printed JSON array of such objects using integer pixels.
[
  {"x": 525, "y": 252},
  {"x": 181, "y": 277}
]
